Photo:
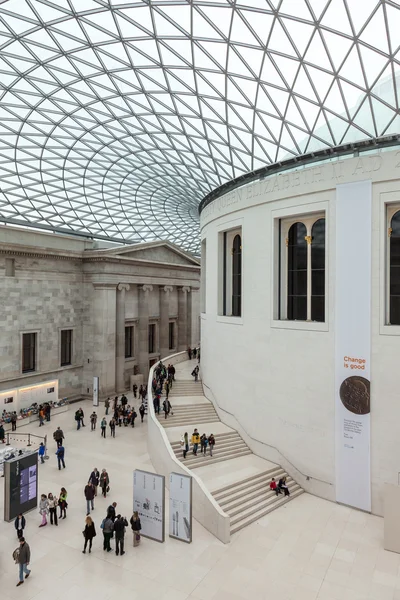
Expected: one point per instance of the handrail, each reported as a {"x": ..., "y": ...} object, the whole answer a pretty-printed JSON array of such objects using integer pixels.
[
  {"x": 14, "y": 435},
  {"x": 307, "y": 477}
]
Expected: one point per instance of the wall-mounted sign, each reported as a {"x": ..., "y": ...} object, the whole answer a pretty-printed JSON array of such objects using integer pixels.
[
  {"x": 149, "y": 502},
  {"x": 95, "y": 391},
  {"x": 180, "y": 507}
]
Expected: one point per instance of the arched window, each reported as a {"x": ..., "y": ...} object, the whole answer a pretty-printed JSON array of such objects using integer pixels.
[
  {"x": 395, "y": 270},
  {"x": 237, "y": 276},
  {"x": 318, "y": 271},
  {"x": 297, "y": 273}
]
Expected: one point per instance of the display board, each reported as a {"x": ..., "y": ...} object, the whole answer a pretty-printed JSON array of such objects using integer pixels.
[
  {"x": 95, "y": 391},
  {"x": 8, "y": 400},
  {"x": 353, "y": 343},
  {"x": 180, "y": 507},
  {"x": 20, "y": 485},
  {"x": 39, "y": 393},
  {"x": 149, "y": 501}
]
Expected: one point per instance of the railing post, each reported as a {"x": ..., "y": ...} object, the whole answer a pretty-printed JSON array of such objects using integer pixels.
[
  {"x": 29, "y": 439},
  {"x": 8, "y": 439}
]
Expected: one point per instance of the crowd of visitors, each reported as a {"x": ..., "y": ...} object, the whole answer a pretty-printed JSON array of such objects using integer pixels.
[{"x": 204, "y": 441}]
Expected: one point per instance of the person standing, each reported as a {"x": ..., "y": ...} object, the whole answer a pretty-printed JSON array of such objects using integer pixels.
[
  {"x": 111, "y": 511},
  {"x": 47, "y": 411},
  {"x": 2, "y": 434},
  {"x": 142, "y": 411},
  {"x": 104, "y": 482},
  {"x": 43, "y": 509},
  {"x": 134, "y": 389},
  {"x": 14, "y": 421},
  {"x": 107, "y": 405},
  {"x": 41, "y": 451},
  {"x": 136, "y": 527},
  {"x": 112, "y": 427},
  {"x": 88, "y": 533},
  {"x": 58, "y": 436},
  {"x": 211, "y": 442},
  {"x": 103, "y": 427},
  {"x": 60, "y": 457},
  {"x": 194, "y": 352},
  {"x": 63, "y": 504},
  {"x": 189, "y": 351},
  {"x": 203, "y": 444},
  {"x": 119, "y": 530},
  {"x": 19, "y": 525},
  {"x": 93, "y": 421},
  {"x": 89, "y": 495},
  {"x": 53, "y": 503},
  {"x": 108, "y": 528},
  {"x": 41, "y": 416},
  {"x": 185, "y": 444},
  {"x": 94, "y": 479},
  {"x": 166, "y": 407},
  {"x": 22, "y": 557},
  {"x": 133, "y": 417},
  {"x": 195, "y": 441}
]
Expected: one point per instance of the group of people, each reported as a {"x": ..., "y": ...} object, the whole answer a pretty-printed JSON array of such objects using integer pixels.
[
  {"x": 279, "y": 487},
  {"x": 204, "y": 441},
  {"x": 193, "y": 353},
  {"x": 44, "y": 413},
  {"x": 163, "y": 380}
]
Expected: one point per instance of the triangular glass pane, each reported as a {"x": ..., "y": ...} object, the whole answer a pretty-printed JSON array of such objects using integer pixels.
[
  {"x": 375, "y": 32},
  {"x": 269, "y": 74},
  {"x": 264, "y": 103},
  {"x": 301, "y": 33},
  {"x": 322, "y": 81},
  {"x": 384, "y": 88},
  {"x": 201, "y": 28},
  {"x": 288, "y": 68},
  {"x": 338, "y": 47},
  {"x": 352, "y": 70},
  {"x": 374, "y": 64},
  {"x": 279, "y": 42},
  {"x": 382, "y": 114},
  {"x": 393, "y": 19},
  {"x": 181, "y": 15},
  {"x": 336, "y": 17},
  {"x": 220, "y": 17},
  {"x": 261, "y": 23},
  {"x": 316, "y": 53},
  {"x": 252, "y": 57},
  {"x": 302, "y": 85}
]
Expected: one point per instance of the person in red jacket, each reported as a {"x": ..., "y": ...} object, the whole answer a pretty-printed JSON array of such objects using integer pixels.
[{"x": 274, "y": 487}]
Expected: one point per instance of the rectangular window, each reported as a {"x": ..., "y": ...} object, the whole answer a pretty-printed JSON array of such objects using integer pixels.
[
  {"x": 66, "y": 347},
  {"x": 129, "y": 341},
  {"x": 152, "y": 338},
  {"x": 231, "y": 273},
  {"x": 10, "y": 267},
  {"x": 28, "y": 352},
  {"x": 171, "y": 336}
]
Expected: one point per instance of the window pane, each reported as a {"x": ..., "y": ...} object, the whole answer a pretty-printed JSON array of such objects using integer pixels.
[
  {"x": 171, "y": 336},
  {"x": 128, "y": 342},
  {"x": 28, "y": 352},
  {"x": 297, "y": 273},
  {"x": 237, "y": 276},
  {"x": 66, "y": 347},
  {"x": 152, "y": 338},
  {"x": 318, "y": 271},
  {"x": 395, "y": 270}
]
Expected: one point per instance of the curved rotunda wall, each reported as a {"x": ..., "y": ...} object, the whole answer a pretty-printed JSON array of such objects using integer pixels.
[{"x": 275, "y": 378}]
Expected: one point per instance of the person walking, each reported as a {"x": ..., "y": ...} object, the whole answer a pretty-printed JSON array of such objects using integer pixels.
[
  {"x": 53, "y": 503},
  {"x": 43, "y": 509},
  {"x": 93, "y": 421},
  {"x": 136, "y": 527},
  {"x": 103, "y": 427},
  {"x": 89, "y": 495},
  {"x": 211, "y": 443},
  {"x": 62, "y": 502},
  {"x": 119, "y": 529},
  {"x": 189, "y": 351},
  {"x": 133, "y": 416},
  {"x": 41, "y": 451},
  {"x": 19, "y": 525},
  {"x": 14, "y": 421},
  {"x": 111, "y": 511},
  {"x": 107, "y": 405},
  {"x": 112, "y": 427},
  {"x": 195, "y": 373},
  {"x": 22, "y": 557},
  {"x": 58, "y": 436},
  {"x": 134, "y": 389},
  {"x": 185, "y": 444},
  {"x": 141, "y": 411},
  {"x": 41, "y": 416},
  {"x": 108, "y": 527},
  {"x": 47, "y": 410},
  {"x": 104, "y": 482},
  {"x": 203, "y": 444},
  {"x": 166, "y": 407},
  {"x": 94, "y": 479},
  {"x": 194, "y": 352},
  {"x": 60, "y": 457},
  {"x": 88, "y": 533},
  {"x": 195, "y": 441}
]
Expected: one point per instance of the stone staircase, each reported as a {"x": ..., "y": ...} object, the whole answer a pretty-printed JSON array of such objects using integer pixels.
[
  {"x": 184, "y": 387},
  {"x": 250, "y": 499},
  {"x": 227, "y": 446},
  {"x": 188, "y": 415}
]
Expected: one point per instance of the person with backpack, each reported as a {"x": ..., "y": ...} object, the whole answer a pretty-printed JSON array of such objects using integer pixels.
[
  {"x": 111, "y": 511},
  {"x": 104, "y": 482},
  {"x": 119, "y": 529},
  {"x": 142, "y": 411},
  {"x": 195, "y": 441},
  {"x": 22, "y": 557},
  {"x": 166, "y": 407},
  {"x": 108, "y": 527},
  {"x": 19, "y": 525},
  {"x": 88, "y": 533},
  {"x": 195, "y": 373},
  {"x": 60, "y": 457},
  {"x": 211, "y": 443},
  {"x": 203, "y": 444},
  {"x": 58, "y": 436}
]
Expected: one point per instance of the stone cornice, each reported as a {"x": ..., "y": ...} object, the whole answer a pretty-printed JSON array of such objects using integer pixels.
[
  {"x": 140, "y": 261},
  {"x": 27, "y": 252}
]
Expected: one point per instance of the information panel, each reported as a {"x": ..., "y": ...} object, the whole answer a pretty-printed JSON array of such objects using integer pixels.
[
  {"x": 353, "y": 343},
  {"x": 180, "y": 507},
  {"x": 149, "y": 501},
  {"x": 95, "y": 391},
  {"x": 20, "y": 485}
]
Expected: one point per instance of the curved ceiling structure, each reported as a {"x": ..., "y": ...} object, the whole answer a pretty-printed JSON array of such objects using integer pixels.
[{"x": 117, "y": 117}]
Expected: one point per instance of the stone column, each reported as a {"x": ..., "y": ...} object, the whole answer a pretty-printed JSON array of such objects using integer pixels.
[
  {"x": 143, "y": 346},
  {"x": 104, "y": 313},
  {"x": 164, "y": 319},
  {"x": 182, "y": 318},
  {"x": 120, "y": 337}
]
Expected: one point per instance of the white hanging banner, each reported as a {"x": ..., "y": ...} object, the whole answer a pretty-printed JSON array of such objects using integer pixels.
[
  {"x": 180, "y": 507},
  {"x": 95, "y": 391},
  {"x": 149, "y": 502},
  {"x": 353, "y": 344}
]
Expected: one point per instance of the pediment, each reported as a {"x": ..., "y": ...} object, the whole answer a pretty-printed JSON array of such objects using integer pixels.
[{"x": 160, "y": 253}]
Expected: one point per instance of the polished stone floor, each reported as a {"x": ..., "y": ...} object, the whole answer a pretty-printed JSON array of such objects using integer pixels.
[{"x": 309, "y": 549}]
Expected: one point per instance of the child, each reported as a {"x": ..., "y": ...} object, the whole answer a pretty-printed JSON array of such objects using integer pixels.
[{"x": 274, "y": 487}]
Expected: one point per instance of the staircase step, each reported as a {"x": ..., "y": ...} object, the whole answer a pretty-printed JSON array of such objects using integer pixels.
[
  {"x": 219, "y": 441},
  {"x": 237, "y": 494},
  {"x": 255, "y": 509},
  {"x": 241, "y": 523},
  {"x": 185, "y": 423},
  {"x": 224, "y": 450},
  {"x": 247, "y": 500},
  {"x": 228, "y": 488},
  {"x": 228, "y": 452},
  {"x": 215, "y": 459}
]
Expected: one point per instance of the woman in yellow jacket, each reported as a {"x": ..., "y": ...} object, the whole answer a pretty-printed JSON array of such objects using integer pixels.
[{"x": 195, "y": 441}]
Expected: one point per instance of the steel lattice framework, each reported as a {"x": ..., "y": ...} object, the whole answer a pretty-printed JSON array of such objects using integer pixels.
[{"x": 117, "y": 117}]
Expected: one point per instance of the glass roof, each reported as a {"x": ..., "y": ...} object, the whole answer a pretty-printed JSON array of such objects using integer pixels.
[{"x": 117, "y": 117}]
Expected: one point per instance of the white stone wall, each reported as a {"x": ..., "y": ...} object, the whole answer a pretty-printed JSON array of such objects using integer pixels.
[{"x": 276, "y": 379}]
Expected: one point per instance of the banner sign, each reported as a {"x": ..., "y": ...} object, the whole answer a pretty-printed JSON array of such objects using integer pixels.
[
  {"x": 180, "y": 507},
  {"x": 149, "y": 502},
  {"x": 95, "y": 391},
  {"x": 353, "y": 344}
]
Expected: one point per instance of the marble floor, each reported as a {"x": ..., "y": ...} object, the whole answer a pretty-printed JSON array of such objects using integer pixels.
[{"x": 309, "y": 549}]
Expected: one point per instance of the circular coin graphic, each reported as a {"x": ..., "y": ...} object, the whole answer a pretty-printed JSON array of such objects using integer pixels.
[{"x": 355, "y": 395}]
